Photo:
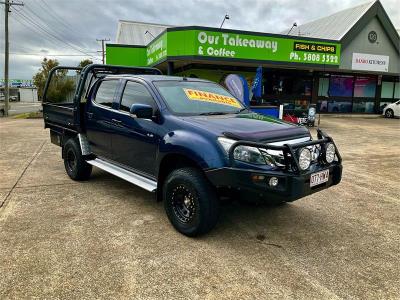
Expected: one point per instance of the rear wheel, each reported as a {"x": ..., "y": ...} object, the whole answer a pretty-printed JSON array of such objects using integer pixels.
[
  {"x": 75, "y": 165},
  {"x": 389, "y": 113},
  {"x": 190, "y": 201}
]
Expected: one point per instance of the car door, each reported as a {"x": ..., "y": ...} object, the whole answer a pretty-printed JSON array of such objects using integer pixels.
[
  {"x": 135, "y": 143},
  {"x": 99, "y": 117}
]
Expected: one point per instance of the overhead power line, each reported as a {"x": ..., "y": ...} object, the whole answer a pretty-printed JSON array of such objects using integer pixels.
[
  {"x": 47, "y": 32},
  {"x": 50, "y": 40},
  {"x": 57, "y": 17},
  {"x": 52, "y": 28}
]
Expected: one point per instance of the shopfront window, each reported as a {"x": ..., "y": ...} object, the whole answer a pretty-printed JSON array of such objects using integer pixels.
[
  {"x": 297, "y": 85},
  {"x": 397, "y": 90},
  {"x": 364, "y": 87},
  {"x": 363, "y": 106},
  {"x": 334, "y": 106},
  {"x": 341, "y": 86},
  {"x": 323, "y": 86},
  {"x": 387, "y": 89},
  {"x": 389, "y": 94}
]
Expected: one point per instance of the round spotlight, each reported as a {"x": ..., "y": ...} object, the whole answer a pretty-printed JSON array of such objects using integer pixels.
[
  {"x": 273, "y": 181},
  {"x": 304, "y": 158},
  {"x": 329, "y": 152}
]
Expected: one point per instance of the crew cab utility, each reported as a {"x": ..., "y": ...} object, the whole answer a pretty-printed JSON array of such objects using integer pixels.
[{"x": 187, "y": 140}]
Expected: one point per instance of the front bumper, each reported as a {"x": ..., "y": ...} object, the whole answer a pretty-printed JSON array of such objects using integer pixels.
[
  {"x": 292, "y": 182},
  {"x": 290, "y": 186}
]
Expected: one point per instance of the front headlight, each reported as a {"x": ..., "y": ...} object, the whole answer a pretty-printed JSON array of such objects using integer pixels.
[
  {"x": 226, "y": 143},
  {"x": 330, "y": 152},
  {"x": 248, "y": 154},
  {"x": 304, "y": 158},
  {"x": 243, "y": 153}
]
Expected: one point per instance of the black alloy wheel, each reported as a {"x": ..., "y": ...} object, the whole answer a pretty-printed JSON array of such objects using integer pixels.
[{"x": 183, "y": 203}]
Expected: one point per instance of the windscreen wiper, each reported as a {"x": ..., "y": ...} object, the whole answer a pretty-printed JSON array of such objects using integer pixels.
[
  {"x": 212, "y": 113},
  {"x": 241, "y": 110}
]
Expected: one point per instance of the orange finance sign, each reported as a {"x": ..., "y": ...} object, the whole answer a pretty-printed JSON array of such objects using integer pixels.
[{"x": 211, "y": 97}]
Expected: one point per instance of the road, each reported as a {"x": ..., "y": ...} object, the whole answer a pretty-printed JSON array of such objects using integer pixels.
[
  {"x": 106, "y": 238},
  {"x": 24, "y": 107}
]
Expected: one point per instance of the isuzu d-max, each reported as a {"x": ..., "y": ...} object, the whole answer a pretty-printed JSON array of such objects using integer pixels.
[{"x": 187, "y": 140}]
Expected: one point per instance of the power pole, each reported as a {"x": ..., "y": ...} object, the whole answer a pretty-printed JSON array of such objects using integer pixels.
[
  {"x": 7, "y": 6},
  {"x": 102, "y": 48}
]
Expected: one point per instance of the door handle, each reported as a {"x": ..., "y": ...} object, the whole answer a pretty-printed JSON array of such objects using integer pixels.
[{"x": 89, "y": 114}]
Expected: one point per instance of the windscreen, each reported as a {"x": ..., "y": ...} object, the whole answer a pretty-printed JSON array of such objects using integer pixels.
[{"x": 195, "y": 97}]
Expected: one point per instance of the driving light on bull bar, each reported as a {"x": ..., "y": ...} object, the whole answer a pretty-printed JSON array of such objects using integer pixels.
[
  {"x": 329, "y": 152},
  {"x": 304, "y": 158},
  {"x": 273, "y": 181}
]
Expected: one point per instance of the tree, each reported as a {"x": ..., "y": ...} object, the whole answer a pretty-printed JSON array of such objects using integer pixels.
[
  {"x": 85, "y": 62},
  {"x": 39, "y": 79},
  {"x": 61, "y": 85}
]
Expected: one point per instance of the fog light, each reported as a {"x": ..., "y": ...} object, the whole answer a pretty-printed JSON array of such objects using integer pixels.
[
  {"x": 330, "y": 153},
  {"x": 273, "y": 181},
  {"x": 304, "y": 158}
]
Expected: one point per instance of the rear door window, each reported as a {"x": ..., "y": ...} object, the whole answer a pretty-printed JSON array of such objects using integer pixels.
[
  {"x": 106, "y": 92},
  {"x": 135, "y": 93}
]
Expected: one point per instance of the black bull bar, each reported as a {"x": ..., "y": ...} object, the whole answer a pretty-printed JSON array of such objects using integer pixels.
[{"x": 291, "y": 161}]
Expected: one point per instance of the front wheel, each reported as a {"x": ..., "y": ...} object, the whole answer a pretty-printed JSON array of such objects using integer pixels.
[
  {"x": 389, "y": 113},
  {"x": 75, "y": 165},
  {"x": 190, "y": 201}
]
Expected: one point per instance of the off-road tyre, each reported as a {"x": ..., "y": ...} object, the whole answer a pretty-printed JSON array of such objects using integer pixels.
[
  {"x": 75, "y": 165},
  {"x": 190, "y": 201}
]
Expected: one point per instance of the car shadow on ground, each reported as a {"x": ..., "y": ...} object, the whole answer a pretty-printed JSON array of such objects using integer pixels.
[{"x": 261, "y": 222}]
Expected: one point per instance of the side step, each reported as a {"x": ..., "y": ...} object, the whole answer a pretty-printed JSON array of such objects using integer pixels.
[{"x": 143, "y": 182}]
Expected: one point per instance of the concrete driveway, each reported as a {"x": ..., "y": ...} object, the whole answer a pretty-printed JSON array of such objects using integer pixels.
[
  {"x": 106, "y": 238},
  {"x": 24, "y": 107}
]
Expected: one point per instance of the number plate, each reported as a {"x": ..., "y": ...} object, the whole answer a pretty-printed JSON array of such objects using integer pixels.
[{"x": 318, "y": 178}]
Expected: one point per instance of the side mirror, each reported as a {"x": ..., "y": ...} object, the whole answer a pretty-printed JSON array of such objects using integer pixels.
[{"x": 142, "y": 111}]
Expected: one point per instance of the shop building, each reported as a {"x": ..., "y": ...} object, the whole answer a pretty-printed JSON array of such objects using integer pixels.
[{"x": 348, "y": 62}]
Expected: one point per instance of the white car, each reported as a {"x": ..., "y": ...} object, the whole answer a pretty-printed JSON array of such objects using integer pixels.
[{"x": 392, "y": 110}]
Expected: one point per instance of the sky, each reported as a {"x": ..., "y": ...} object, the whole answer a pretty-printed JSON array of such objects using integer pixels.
[{"x": 67, "y": 30}]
